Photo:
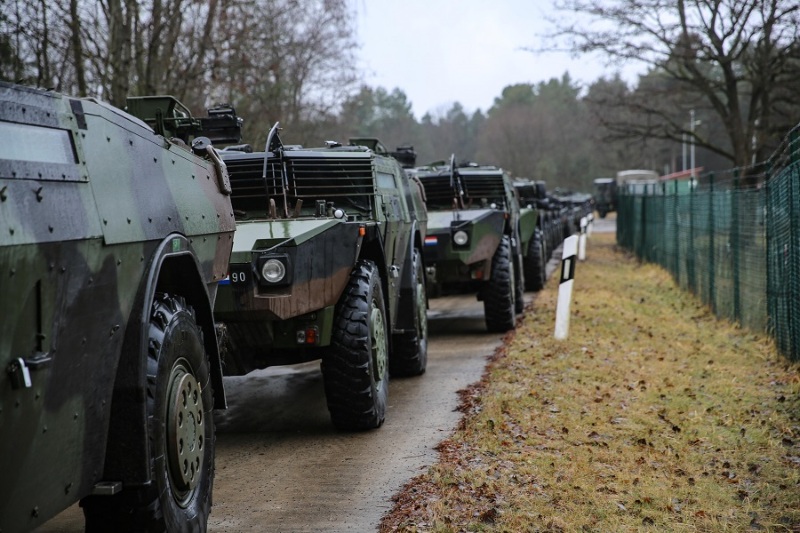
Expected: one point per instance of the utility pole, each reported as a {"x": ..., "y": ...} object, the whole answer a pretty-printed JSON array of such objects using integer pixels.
[
  {"x": 691, "y": 129},
  {"x": 683, "y": 151}
]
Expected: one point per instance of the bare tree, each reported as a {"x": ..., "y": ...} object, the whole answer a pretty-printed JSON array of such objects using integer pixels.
[
  {"x": 288, "y": 60},
  {"x": 732, "y": 58}
]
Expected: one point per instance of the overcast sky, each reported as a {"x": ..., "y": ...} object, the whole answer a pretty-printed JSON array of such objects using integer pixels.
[{"x": 444, "y": 51}]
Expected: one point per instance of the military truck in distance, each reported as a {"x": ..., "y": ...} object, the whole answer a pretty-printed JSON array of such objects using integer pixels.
[
  {"x": 605, "y": 196},
  {"x": 327, "y": 264},
  {"x": 476, "y": 237},
  {"x": 112, "y": 242}
]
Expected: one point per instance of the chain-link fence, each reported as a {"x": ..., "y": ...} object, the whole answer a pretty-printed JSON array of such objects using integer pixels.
[{"x": 731, "y": 238}]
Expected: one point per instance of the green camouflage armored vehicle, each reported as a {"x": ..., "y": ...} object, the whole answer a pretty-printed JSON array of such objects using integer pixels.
[
  {"x": 476, "y": 236},
  {"x": 112, "y": 242},
  {"x": 556, "y": 215},
  {"x": 536, "y": 251},
  {"x": 327, "y": 264}
]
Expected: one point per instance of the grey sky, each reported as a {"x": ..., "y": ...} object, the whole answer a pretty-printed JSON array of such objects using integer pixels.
[{"x": 442, "y": 51}]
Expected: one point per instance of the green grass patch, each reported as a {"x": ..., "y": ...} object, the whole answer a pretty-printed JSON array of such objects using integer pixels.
[{"x": 652, "y": 415}]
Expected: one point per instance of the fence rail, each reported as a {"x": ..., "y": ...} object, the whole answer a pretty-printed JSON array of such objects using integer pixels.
[{"x": 731, "y": 238}]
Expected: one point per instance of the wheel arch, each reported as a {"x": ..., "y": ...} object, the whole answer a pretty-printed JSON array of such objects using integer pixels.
[
  {"x": 173, "y": 268},
  {"x": 405, "y": 317},
  {"x": 372, "y": 249}
]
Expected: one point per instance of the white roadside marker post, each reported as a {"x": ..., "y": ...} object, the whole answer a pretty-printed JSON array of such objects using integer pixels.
[
  {"x": 590, "y": 225},
  {"x": 568, "y": 260},
  {"x": 582, "y": 241}
]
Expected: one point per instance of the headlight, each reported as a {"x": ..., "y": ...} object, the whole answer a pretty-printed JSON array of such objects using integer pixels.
[
  {"x": 273, "y": 270},
  {"x": 460, "y": 237}
]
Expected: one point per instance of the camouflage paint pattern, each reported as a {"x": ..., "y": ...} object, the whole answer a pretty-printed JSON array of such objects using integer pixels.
[
  {"x": 485, "y": 220},
  {"x": 528, "y": 220},
  {"x": 92, "y": 205},
  {"x": 266, "y": 323}
]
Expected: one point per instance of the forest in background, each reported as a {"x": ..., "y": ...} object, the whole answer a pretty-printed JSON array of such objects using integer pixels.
[{"x": 735, "y": 64}]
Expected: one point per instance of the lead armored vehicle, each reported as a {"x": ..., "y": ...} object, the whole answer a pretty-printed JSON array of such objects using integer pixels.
[
  {"x": 112, "y": 242},
  {"x": 476, "y": 237},
  {"x": 327, "y": 264}
]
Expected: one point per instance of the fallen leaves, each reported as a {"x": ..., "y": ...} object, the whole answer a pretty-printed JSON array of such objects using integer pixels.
[{"x": 614, "y": 430}]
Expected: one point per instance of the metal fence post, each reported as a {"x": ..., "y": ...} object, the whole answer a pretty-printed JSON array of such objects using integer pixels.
[
  {"x": 662, "y": 260},
  {"x": 736, "y": 243},
  {"x": 691, "y": 275},
  {"x": 677, "y": 229},
  {"x": 643, "y": 230},
  {"x": 794, "y": 246},
  {"x": 711, "y": 259}
]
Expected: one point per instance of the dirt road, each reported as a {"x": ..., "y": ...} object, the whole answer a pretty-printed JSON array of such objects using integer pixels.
[{"x": 281, "y": 466}]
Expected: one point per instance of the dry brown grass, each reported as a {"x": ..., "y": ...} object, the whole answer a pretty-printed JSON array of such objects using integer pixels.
[{"x": 653, "y": 415}]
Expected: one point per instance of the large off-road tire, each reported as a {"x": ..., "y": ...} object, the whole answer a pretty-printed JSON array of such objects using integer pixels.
[
  {"x": 535, "y": 263},
  {"x": 356, "y": 368},
  {"x": 410, "y": 351},
  {"x": 519, "y": 280},
  {"x": 180, "y": 433},
  {"x": 498, "y": 298}
]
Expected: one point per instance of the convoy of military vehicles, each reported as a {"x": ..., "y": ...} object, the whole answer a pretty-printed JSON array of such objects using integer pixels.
[{"x": 146, "y": 254}]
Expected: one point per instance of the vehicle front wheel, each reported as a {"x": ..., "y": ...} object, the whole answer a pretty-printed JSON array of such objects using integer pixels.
[
  {"x": 410, "y": 354},
  {"x": 180, "y": 433},
  {"x": 535, "y": 263},
  {"x": 498, "y": 298},
  {"x": 356, "y": 368}
]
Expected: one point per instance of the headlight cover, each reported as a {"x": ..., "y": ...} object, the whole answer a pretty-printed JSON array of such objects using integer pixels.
[
  {"x": 273, "y": 270},
  {"x": 460, "y": 238}
]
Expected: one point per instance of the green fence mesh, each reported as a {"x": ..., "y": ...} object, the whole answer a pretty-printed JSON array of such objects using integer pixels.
[{"x": 731, "y": 238}]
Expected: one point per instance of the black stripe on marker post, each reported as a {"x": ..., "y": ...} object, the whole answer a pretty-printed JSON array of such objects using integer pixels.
[{"x": 567, "y": 269}]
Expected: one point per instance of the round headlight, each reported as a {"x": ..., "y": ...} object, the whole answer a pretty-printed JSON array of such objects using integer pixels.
[
  {"x": 460, "y": 237},
  {"x": 273, "y": 270}
]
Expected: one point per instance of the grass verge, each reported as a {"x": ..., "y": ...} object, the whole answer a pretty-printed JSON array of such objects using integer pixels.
[{"x": 652, "y": 415}]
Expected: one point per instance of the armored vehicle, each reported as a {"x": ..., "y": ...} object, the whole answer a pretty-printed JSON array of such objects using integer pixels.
[
  {"x": 575, "y": 206},
  {"x": 605, "y": 196},
  {"x": 476, "y": 237},
  {"x": 539, "y": 247},
  {"x": 112, "y": 241},
  {"x": 327, "y": 264}
]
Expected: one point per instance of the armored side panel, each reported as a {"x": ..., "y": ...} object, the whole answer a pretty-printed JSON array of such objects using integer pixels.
[{"x": 88, "y": 195}]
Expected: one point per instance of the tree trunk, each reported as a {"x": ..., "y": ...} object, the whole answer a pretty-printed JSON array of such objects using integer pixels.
[{"x": 77, "y": 48}]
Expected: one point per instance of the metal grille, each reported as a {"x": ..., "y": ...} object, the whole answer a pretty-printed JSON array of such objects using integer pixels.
[
  {"x": 439, "y": 192},
  {"x": 347, "y": 182},
  {"x": 488, "y": 187},
  {"x": 250, "y": 192}
]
